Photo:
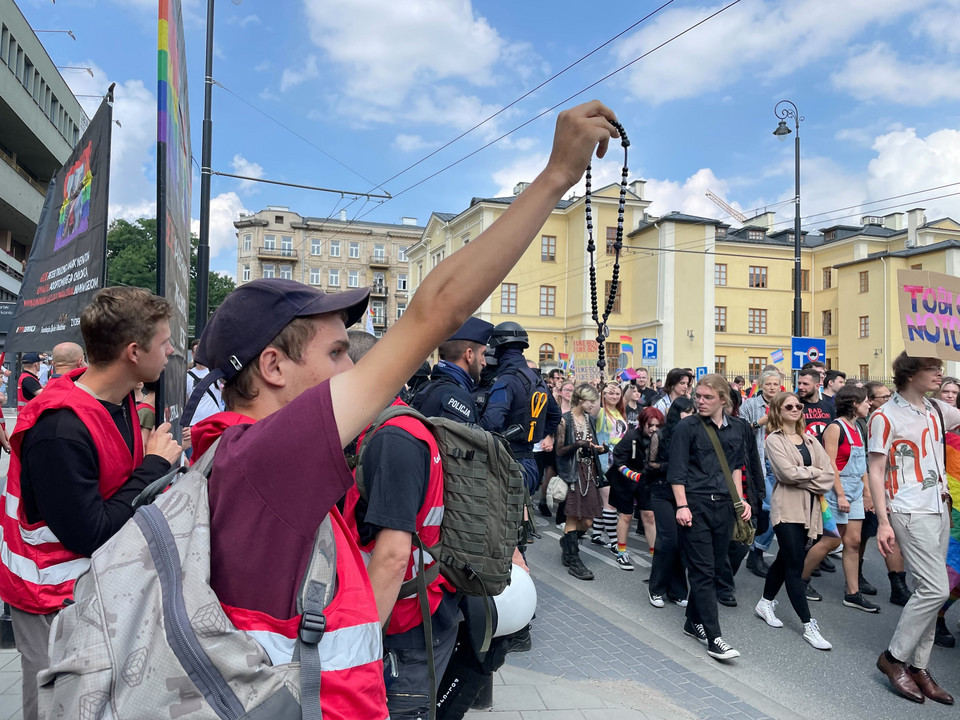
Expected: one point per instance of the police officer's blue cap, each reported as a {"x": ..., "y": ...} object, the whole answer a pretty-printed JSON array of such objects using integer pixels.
[{"x": 474, "y": 330}]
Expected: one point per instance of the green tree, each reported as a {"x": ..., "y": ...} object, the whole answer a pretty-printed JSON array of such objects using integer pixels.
[{"x": 132, "y": 260}]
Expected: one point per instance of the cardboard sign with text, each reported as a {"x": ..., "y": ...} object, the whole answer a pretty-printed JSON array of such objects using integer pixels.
[
  {"x": 929, "y": 314},
  {"x": 585, "y": 361}
]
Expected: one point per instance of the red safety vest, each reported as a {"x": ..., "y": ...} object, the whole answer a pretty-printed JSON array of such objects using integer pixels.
[
  {"x": 406, "y": 612},
  {"x": 351, "y": 648},
  {"x": 21, "y": 399},
  {"x": 37, "y": 572}
]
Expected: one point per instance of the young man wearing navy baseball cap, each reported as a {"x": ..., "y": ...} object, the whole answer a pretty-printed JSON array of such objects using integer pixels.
[{"x": 294, "y": 400}]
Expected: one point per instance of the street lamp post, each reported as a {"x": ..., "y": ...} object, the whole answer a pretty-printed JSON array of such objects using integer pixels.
[{"x": 783, "y": 110}]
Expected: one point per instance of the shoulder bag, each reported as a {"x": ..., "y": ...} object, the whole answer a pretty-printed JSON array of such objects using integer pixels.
[{"x": 743, "y": 531}]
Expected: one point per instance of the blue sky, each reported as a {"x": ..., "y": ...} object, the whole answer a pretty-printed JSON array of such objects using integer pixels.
[{"x": 378, "y": 84}]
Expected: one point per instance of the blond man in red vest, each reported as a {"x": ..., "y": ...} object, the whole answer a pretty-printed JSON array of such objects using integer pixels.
[{"x": 78, "y": 460}]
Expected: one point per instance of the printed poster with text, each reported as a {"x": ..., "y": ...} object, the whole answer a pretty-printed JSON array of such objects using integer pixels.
[
  {"x": 929, "y": 314},
  {"x": 67, "y": 260},
  {"x": 585, "y": 361}
]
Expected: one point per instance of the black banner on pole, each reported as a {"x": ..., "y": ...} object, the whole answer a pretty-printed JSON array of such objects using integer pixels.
[
  {"x": 174, "y": 179},
  {"x": 67, "y": 262}
]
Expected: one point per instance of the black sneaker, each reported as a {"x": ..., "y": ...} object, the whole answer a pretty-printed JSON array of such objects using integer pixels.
[
  {"x": 727, "y": 600},
  {"x": 858, "y": 601},
  {"x": 865, "y": 587},
  {"x": 811, "y": 593},
  {"x": 720, "y": 650},
  {"x": 695, "y": 630},
  {"x": 827, "y": 565},
  {"x": 544, "y": 510},
  {"x": 943, "y": 638}
]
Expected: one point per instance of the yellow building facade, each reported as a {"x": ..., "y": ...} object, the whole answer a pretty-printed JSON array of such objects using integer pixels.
[{"x": 712, "y": 296}]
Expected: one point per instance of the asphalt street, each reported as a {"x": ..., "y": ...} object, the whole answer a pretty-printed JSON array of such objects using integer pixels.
[{"x": 776, "y": 664}]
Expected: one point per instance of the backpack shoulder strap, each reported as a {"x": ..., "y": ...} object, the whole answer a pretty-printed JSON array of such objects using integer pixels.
[{"x": 204, "y": 466}]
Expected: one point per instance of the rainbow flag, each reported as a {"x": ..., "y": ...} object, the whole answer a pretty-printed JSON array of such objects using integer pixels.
[
  {"x": 953, "y": 481},
  {"x": 564, "y": 361},
  {"x": 626, "y": 344}
]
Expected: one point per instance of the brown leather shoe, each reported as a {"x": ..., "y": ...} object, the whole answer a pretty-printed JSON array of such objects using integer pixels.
[
  {"x": 900, "y": 679},
  {"x": 929, "y": 687}
]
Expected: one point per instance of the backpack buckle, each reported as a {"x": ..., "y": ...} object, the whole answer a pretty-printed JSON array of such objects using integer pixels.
[{"x": 312, "y": 626}]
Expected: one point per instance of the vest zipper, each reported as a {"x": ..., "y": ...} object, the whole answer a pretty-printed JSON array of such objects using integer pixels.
[{"x": 212, "y": 686}]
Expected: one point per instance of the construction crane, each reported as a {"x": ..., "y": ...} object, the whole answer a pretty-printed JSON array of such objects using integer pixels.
[{"x": 720, "y": 203}]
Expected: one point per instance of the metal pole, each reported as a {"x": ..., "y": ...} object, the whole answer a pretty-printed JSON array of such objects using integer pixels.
[
  {"x": 797, "y": 325},
  {"x": 203, "y": 250}
]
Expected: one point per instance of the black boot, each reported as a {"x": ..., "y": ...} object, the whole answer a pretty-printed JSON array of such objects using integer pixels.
[
  {"x": 899, "y": 592},
  {"x": 756, "y": 564},
  {"x": 943, "y": 638},
  {"x": 565, "y": 550},
  {"x": 575, "y": 565}
]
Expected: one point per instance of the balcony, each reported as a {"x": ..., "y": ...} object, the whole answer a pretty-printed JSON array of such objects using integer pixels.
[
  {"x": 379, "y": 260},
  {"x": 265, "y": 253},
  {"x": 378, "y": 289},
  {"x": 379, "y": 320}
]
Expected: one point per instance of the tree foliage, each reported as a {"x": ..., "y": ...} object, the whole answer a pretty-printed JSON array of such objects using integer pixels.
[{"x": 132, "y": 260}]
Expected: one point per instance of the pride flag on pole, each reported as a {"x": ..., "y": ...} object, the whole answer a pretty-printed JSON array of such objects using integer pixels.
[
  {"x": 564, "y": 361},
  {"x": 626, "y": 344}
]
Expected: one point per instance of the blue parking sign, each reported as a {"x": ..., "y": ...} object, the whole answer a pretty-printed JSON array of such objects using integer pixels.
[{"x": 649, "y": 348}]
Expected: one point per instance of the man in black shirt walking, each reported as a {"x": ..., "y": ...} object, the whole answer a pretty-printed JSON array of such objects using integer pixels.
[
  {"x": 705, "y": 510},
  {"x": 817, "y": 412}
]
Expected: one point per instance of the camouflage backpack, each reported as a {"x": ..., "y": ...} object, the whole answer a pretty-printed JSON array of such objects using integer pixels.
[{"x": 147, "y": 638}]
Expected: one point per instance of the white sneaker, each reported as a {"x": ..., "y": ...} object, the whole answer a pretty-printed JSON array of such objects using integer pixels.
[
  {"x": 838, "y": 552},
  {"x": 765, "y": 610},
  {"x": 682, "y": 602},
  {"x": 811, "y": 633},
  {"x": 656, "y": 600},
  {"x": 623, "y": 561}
]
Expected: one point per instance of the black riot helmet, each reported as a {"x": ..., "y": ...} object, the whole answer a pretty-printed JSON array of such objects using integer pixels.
[{"x": 508, "y": 333}]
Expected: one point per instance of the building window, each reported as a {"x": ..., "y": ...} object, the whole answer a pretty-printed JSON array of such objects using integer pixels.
[
  {"x": 864, "y": 326},
  {"x": 245, "y": 275},
  {"x": 316, "y": 246},
  {"x": 508, "y": 298},
  {"x": 379, "y": 282},
  {"x": 804, "y": 280},
  {"x": 827, "y": 278},
  {"x": 546, "y": 353},
  {"x": 719, "y": 319},
  {"x": 402, "y": 282},
  {"x": 286, "y": 272},
  {"x": 378, "y": 312},
  {"x": 756, "y": 234},
  {"x": 720, "y": 274},
  {"x": 379, "y": 253},
  {"x": 757, "y": 276},
  {"x": 864, "y": 372},
  {"x": 827, "y": 320},
  {"x": 247, "y": 243},
  {"x": 865, "y": 281},
  {"x": 720, "y": 364},
  {"x": 804, "y": 323},
  {"x": 268, "y": 271},
  {"x": 611, "y": 239},
  {"x": 830, "y": 236},
  {"x": 402, "y": 253},
  {"x": 333, "y": 277},
  {"x": 466, "y": 241},
  {"x": 278, "y": 219},
  {"x": 918, "y": 266},
  {"x": 720, "y": 232},
  {"x": 757, "y": 321},
  {"x": 334, "y": 248},
  {"x": 613, "y": 355},
  {"x": 419, "y": 273},
  {"x": 401, "y": 308},
  {"x": 353, "y": 278},
  {"x": 436, "y": 258},
  {"x": 548, "y": 248},
  {"x": 548, "y": 300},
  {"x": 616, "y": 298},
  {"x": 286, "y": 246},
  {"x": 315, "y": 276},
  {"x": 755, "y": 366},
  {"x": 269, "y": 242},
  {"x": 354, "y": 250}
]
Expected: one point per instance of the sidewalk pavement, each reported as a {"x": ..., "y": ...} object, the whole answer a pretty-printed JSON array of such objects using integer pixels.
[{"x": 10, "y": 702}]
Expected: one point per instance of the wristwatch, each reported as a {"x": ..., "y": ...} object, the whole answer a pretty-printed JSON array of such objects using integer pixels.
[{"x": 755, "y": 425}]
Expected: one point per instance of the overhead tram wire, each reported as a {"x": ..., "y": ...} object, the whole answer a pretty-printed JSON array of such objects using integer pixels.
[
  {"x": 550, "y": 109},
  {"x": 526, "y": 94}
]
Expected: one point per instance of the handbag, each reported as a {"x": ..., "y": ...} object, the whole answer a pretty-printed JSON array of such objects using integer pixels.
[
  {"x": 556, "y": 492},
  {"x": 743, "y": 531}
]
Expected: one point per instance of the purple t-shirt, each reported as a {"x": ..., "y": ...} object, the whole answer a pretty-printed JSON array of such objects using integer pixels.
[{"x": 273, "y": 483}]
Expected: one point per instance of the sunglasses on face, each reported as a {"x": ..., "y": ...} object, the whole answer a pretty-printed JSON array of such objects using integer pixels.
[{"x": 793, "y": 406}]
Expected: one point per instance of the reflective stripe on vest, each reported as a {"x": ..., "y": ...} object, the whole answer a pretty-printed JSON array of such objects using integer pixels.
[
  {"x": 37, "y": 572},
  {"x": 341, "y": 649}
]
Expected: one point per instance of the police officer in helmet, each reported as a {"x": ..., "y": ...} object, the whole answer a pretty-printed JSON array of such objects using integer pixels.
[
  {"x": 449, "y": 393},
  {"x": 516, "y": 405}
]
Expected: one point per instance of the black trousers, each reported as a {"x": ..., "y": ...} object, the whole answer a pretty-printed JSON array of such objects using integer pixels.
[
  {"x": 787, "y": 569},
  {"x": 667, "y": 576},
  {"x": 704, "y": 545},
  {"x": 735, "y": 555}
]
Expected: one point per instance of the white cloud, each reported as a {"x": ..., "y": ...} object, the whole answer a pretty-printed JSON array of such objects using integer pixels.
[
  {"x": 133, "y": 191},
  {"x": 295, "y": 76},
  {"x": 878, "y": 73},
  {"x": 940, "y": 25},
  {"x": 244, "y": 21},
  {"x": 412, "y": 143},
  {"x": 225, "y": 208},
  {"x": 688, "y": 196},
  {"x": 388, "y": 47},
  {"x": 261, "y": 67},
  {"x": 526, "y": 168},
  {"x": 242, "y": 166},
  {"x": 766, "y": 39}
]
